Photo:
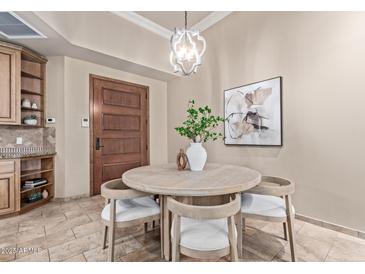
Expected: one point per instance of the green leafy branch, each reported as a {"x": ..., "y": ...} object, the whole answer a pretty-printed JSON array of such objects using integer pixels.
[{"x": 200, "y": 124}]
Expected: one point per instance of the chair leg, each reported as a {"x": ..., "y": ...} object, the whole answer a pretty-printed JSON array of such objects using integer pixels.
[
  {"x": 285, "y": 231},
  {"x": 111, "y": 232},
  {"x": 243, "y": 235},
  {"x": 290, "y": 227},
  {"x": 105, "y": 235},
  {"x": 145, "y": 227},
  {"x": 238, "y": 218},
  {"x": 176, "y": 240},
  {"x": 161, "y": 226},
  {"x": 232, "y": 239}
]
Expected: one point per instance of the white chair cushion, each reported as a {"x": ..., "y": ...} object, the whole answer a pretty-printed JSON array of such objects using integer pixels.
[
  {"x": 264, "y": 205},
  {"x": 203, "y": 235},
  {"x": 132, "y": 209}
]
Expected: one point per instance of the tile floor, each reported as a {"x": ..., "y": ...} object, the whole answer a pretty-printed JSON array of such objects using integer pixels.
[{"x": 72, "y": 232}]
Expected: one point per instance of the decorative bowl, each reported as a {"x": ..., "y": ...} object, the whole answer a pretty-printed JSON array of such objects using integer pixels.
[{"x": 31, "y": 122}]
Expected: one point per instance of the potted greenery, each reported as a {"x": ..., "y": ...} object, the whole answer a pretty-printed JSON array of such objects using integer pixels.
[{"x": 199, "y": 128}]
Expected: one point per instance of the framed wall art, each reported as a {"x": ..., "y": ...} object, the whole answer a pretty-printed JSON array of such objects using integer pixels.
[{"x": 253, "y": 114}]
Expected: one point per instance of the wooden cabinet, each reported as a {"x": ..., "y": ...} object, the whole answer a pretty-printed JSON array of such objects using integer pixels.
[
  {"x": 22, "y": 78},
  {"x": 13, "y": 175},
  {"x": 9, "y": 186},
  {"x": 10, "y": 59}
]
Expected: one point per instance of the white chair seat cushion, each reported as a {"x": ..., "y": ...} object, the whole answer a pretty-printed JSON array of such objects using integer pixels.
[
  {"x": 264, "y": 205},
  {"x": 132, "y": 209},
  {"x": 203, "y": 235}
]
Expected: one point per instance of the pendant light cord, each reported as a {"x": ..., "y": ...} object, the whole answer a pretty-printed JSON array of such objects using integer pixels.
[{"x": 186, "y": 20}]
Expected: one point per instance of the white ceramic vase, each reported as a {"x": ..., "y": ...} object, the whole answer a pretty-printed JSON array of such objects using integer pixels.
[{"x": 197, "y": 156}]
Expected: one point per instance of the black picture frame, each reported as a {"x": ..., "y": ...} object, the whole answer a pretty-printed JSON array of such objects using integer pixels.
[{"x": 280, "y": 111}]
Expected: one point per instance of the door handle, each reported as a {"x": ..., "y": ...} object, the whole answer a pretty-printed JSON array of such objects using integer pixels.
[{"x": 98, "y": 143}]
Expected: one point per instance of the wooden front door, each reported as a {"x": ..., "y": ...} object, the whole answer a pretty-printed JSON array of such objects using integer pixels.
[{"x": 119, "y": 129}]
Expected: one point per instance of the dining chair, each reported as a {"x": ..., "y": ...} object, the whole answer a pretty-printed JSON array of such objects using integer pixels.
[
  {"x": 124, "y": 208},
  {"x": 204, "y": 232},
  {"x": 271, "y": 201}
]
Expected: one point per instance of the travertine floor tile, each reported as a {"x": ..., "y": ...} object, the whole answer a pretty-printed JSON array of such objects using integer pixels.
[
  {"x": 66, "y": 224},
  {"x": 7, "y": 254},
  {"x": 101, "y": 255},
  {"x": 147, "y": 254},
  {"x": 75, "y": 247},
  {"x": 307, "y": 250},
  {"x": 28, "y": 235},
  {"x": 263, "y": 245},
  {"x": 87, "y": 229},
  {"x": 318, "y": 232},
  {"x": 40, "y": 221},
  {"x": 247, "y": 256},
  {"x": 51, "y": 240},
  {"x": 72, "y": 214},
  {"x": 347, "y": 249},
  {"x": 41, "y": 256},
  {"x": 129, "y": 244},
  {"x": 77, "y": 258}
]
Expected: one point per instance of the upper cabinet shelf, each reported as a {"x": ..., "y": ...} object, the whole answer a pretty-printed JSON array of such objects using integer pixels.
[
  {"x": 31, "y": 69},
  {"x": 22, "y": 79}
]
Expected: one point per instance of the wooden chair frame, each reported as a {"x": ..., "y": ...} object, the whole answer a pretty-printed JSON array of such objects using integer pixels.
[
  {"x": 228, "y": 210},
  {"x": 112, "y": 191},
  {"x": 279, "y": 187}
]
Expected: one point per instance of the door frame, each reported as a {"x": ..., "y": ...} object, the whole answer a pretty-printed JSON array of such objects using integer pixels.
[{"x": 91, "y": 120}]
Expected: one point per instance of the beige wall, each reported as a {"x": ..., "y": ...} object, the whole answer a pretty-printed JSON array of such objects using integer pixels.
[
  {"x": 70, "y": 103},
  {"x": 109, "y": 34},
  {"x": 321, "y": 58}
]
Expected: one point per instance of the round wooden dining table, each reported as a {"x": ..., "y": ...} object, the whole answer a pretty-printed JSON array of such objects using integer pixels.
[{"x": 166, "y": 180}]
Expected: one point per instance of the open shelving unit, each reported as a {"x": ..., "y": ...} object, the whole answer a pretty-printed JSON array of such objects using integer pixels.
[
  {"x": 36, "y": 167},
  {"x": 33, "y": 75}
]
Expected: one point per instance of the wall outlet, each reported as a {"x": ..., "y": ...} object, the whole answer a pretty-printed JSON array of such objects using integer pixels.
[{"x": 19, "y": 140}]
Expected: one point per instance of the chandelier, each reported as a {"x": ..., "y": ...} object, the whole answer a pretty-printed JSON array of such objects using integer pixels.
[{"x": 187, "y": 49}]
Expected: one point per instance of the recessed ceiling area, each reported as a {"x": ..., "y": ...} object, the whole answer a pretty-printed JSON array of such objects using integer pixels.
[
  {"x": 172, "y": 19},
  {"x": 14, "y": 27}
]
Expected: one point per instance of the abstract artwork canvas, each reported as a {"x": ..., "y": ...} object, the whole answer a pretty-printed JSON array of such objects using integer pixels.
[{"x": 253, "y": 114}]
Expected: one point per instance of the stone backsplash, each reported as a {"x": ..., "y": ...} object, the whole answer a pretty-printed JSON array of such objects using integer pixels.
[{"x": 32, "y": 137}]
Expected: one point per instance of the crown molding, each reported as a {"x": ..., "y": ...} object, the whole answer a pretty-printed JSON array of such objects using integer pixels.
[{"x": 147, "y": 24}]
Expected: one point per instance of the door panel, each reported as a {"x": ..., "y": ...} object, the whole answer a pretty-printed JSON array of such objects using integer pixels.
[
  {"x": 7, "y": 198},
  {"x": 121, "y": 122},
  {"x": 9, "y": 86},
  {"x": 119, "y": 129},
  {"x": 121, "y": 145}
]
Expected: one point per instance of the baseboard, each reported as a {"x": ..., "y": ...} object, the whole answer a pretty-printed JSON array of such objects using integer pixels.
[
  {"x": 66, "y": 199},
  {"x": 335, "y": 227}
]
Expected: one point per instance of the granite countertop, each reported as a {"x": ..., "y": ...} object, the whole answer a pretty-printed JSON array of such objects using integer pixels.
[{"x": 26, "y": 153}]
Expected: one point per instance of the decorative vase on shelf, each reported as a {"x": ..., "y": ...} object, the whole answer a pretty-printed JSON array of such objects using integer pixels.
[
  {"x": 45, "y": 194},
  {"x": 197, "y": 156}
]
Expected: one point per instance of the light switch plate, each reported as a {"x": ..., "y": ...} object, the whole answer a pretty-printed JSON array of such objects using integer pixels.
[
  {"x": 51, "y": 120},
  {"x": 19, "y": 140},
  {"x": 84, "y": 122}
]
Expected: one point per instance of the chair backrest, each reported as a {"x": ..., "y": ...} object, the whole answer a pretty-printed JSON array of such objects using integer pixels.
[
  {"x": 273, "y": 186},
  {"x": 205, "y": 212},
  {"x": 116, "y": 189}
]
